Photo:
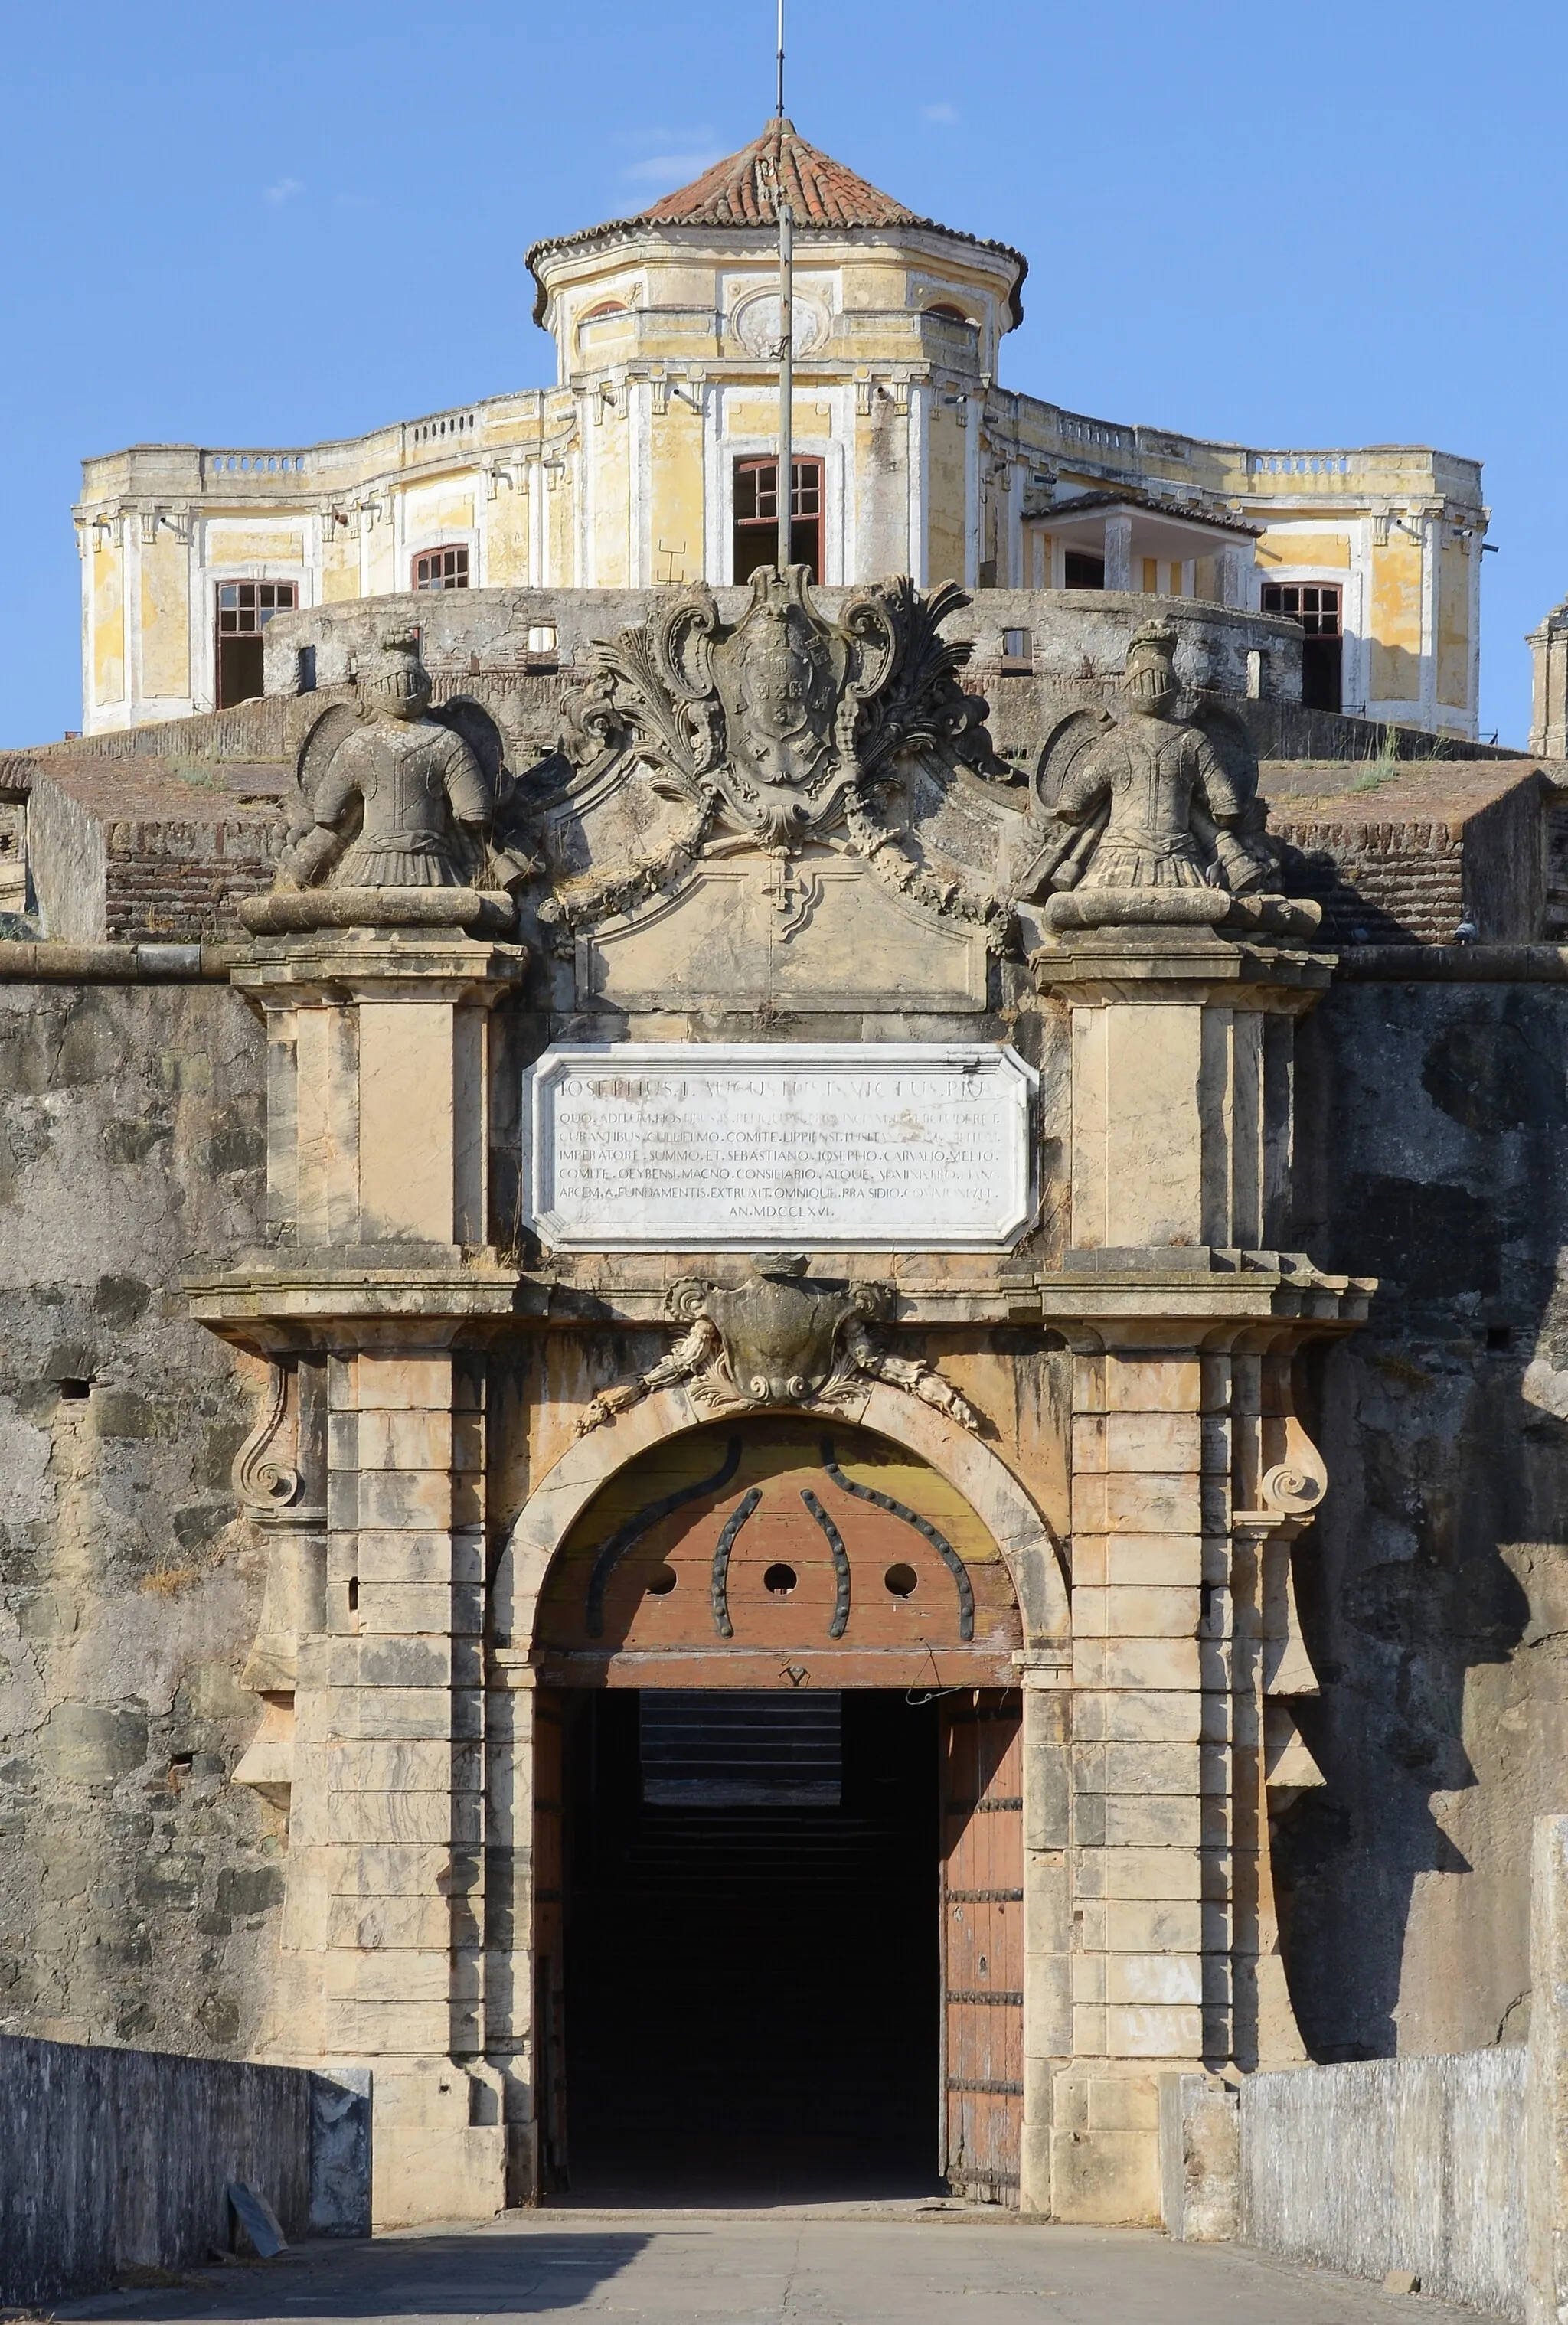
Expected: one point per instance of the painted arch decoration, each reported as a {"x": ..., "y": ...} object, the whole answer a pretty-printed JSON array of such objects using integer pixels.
[{"x": 886, "y": 1548}]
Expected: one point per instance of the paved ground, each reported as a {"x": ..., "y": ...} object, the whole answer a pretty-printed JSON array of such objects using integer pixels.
[{"x": 813, "y": 2266}]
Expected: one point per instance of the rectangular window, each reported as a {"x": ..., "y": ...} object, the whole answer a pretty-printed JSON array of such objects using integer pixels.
[
  {"x": 1318, "y": 606},
  {"x": 243, "y": 610},
  {"x": 756, "y": 515},
  {"x": 441, "y": 569}
]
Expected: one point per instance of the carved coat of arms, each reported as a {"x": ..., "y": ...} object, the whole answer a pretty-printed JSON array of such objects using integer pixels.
[{"x": 783, "y": 725}]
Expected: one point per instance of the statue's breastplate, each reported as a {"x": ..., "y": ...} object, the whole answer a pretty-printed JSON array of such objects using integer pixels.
[
  {"x": 401, "y": 783},
  {"x": 1150, "y": 786}
]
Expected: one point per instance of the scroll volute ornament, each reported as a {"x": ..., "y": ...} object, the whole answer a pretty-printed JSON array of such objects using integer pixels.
[
  {"x": 776, "y": 1339},
  {"x": 268, "y": 1473}
]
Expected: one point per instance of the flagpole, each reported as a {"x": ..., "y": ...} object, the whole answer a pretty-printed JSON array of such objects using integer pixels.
[
  {"x": 786, "y": 379},
  {"x": 787, "y": 355}
]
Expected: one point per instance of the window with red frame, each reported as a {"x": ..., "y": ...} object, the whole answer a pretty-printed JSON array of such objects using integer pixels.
[
  {"x": 442, "y": 569},
  {"x": 243, "y": 610},
  {"x": 756, "y": 515},
  {"x": 1319, "y": 607}
]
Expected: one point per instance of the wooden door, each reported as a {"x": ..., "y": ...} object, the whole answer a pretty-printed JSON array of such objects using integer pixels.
[
  {"x": 983, "y": 1944},
  {"x": 549, "y": 1941}
]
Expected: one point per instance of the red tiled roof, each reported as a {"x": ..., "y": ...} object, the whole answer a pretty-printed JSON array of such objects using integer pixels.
[{"x": 740, "y": 191}]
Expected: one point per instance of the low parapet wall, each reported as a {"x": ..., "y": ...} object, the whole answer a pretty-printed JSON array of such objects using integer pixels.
[
  {"x": 1450, "y": 2171},
  {"x": 113, "y": 2159},
  {"x": 1409, "y": 2164}
]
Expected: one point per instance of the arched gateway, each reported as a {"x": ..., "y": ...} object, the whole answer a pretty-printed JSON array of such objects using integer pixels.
[
  {"x": 669, "y": 1678},
  {"x": 777, "y": 1717}
]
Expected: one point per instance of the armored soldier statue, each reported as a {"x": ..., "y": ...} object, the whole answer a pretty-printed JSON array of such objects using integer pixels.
[
  {"x": 413, "y": 788},
  {"x": 1173, "y": 816}
]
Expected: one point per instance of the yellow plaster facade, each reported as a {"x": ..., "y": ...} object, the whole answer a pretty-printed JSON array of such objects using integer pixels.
[{"x": 623, "y": 473}]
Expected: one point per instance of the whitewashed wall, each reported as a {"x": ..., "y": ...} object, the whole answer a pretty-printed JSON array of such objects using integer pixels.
[{"x": 1394, "y": 2163}]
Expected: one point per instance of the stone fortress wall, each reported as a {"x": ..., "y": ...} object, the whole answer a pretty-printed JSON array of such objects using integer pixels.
[
  {"x": 150, "y": 1159},
  {"x": 143, "y": 1888}
]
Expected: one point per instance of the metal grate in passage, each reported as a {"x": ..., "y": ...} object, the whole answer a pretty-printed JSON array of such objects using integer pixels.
[{"x": 711, "y": 1749}]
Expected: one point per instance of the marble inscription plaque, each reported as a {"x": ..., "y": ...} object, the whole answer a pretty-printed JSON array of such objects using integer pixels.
[{"x": 713, "y": 1146}]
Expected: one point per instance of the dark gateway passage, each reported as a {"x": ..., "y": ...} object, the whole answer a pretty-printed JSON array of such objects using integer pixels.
[{"x": 752, "y": 1939}]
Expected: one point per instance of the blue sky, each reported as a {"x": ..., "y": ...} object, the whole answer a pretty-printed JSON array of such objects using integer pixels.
[{"x": 1334, "y": 224}]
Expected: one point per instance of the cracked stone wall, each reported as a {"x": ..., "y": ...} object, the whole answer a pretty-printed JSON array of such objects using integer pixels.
[
  {"x": 141, "y": 1889},
  {"x": 1435, "y": 1585}
]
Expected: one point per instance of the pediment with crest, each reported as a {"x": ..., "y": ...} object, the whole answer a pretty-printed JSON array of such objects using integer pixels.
[{"x": 785, "y": 729}]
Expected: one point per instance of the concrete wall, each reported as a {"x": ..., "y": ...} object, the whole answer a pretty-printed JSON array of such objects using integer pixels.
[
  {"x": 113, "y": 2159},
  {"x": 116, "y": 2158},
  {"x": 1410, "y": 2163}
]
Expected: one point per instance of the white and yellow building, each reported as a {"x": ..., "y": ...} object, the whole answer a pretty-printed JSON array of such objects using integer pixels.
[{"x": 650, "y": 461}]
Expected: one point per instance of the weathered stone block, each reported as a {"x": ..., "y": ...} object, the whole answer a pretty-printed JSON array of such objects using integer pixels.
[
  {"x": 1151, "y": 1502},
  {"x": 405, "y": 1498},
  {"x": 1152, "y": 1820},
  {"x": 1089, "y": 2030},
  {"x": 401, "y": 1974},
  {"x": 1200, "y": 2159},
  {"x": 405, "y": 1440},
  {"x": 1089, "y": 1979},
  {"x": 1149, "y": 1613},
  {"x": 1047, "y": 2006},
  {"x": 1106, "y": 2177},
  {"x": 1155, "y": 1558},
  {"x": 1141, "y": 1768},
  {"x": 403, "y": 1767},
  {"x": 1166, "y": 1717},
  {"x": 1153, "y": 2032},
  {"x": 403, "y": 1383},
  {"x": 1141, "y": 1665},
  {"x": 1153, "y": 1441},
  {"x": 1153, "y": 1872},
  {"x": 1151, "y": 1385},
  {"x": 407, "y": 1556},
  {"x": 394, "y": 1869},
  {"x": 416, "y": 1609},
  {"x": 1123, "y": 2102},
  {"x": 440, "y": 2173},
  {"x": 1159, "y": 1978}
]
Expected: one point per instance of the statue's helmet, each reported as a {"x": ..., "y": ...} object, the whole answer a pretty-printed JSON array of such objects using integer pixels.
[
  {"x": 1151, "y": 682},
  {"x": 400, "y": 683}
]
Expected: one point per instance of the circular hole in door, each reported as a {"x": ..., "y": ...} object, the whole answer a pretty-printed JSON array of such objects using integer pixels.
[
  {"x": 661, "y": 1582},
  {"x": 900, "y": 1580},
  {"x": 780, "y": 1579}
]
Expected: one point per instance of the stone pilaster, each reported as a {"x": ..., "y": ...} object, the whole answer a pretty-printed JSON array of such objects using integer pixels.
[
  {"x": 1047, "y": 1916},
  {"x": 379, "y": 1264},
  {"x": 396, "y": 1806},
  {"x": 1191, "y": 1476},
  {"x": 1143, "y": 1880}
]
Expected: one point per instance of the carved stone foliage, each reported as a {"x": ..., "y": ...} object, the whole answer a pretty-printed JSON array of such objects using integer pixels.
[
  {"x": 394, "y": 798},
  {"x": 782, "y": 728},
  {"x": 1149, "y": 816},
  {"x": 777, "y": 1340}
]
